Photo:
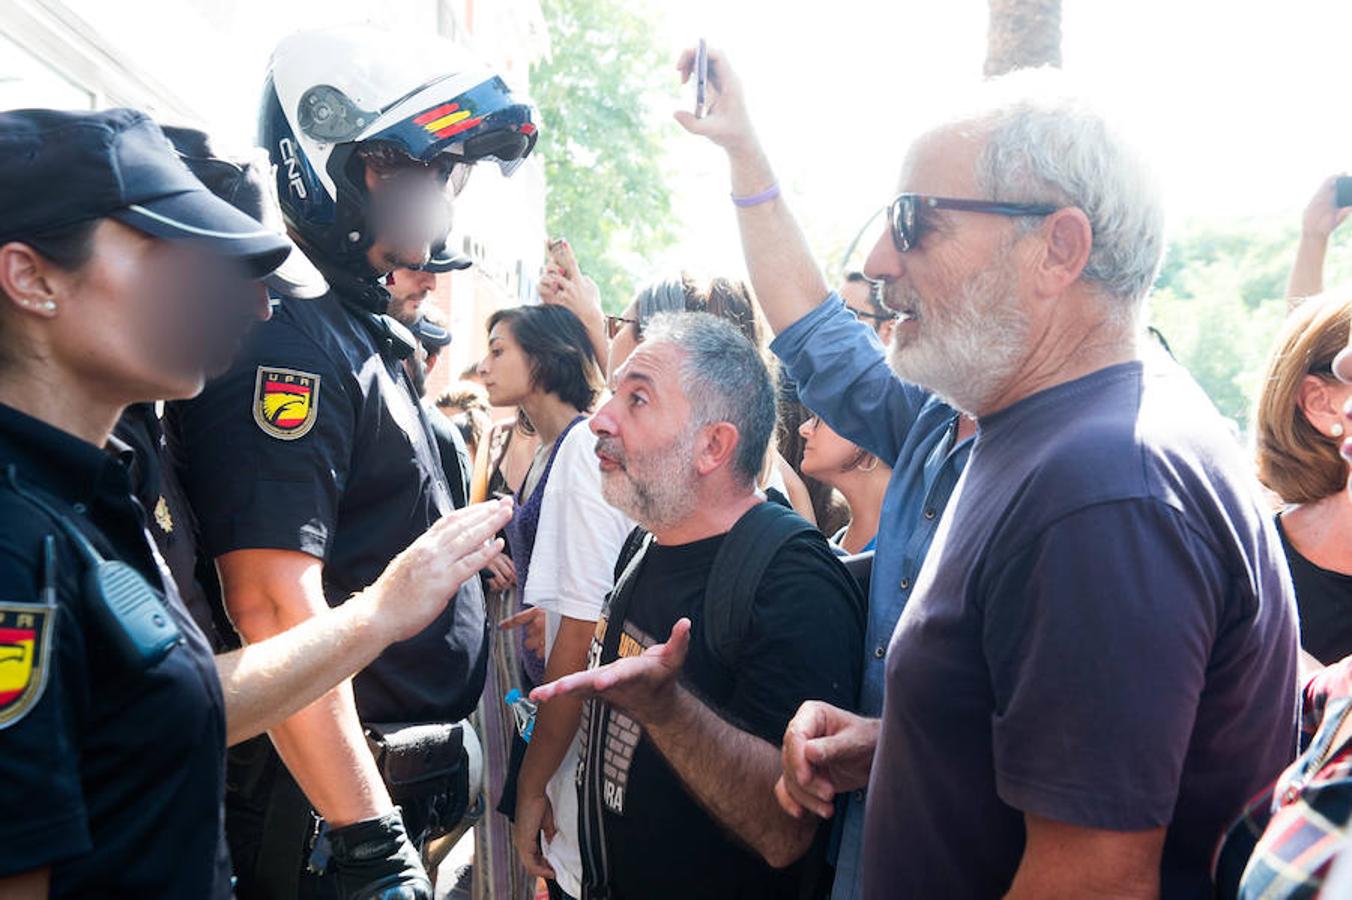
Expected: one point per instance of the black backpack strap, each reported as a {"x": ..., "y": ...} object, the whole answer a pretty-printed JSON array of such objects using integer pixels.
[
  {"x": 591, "y": 833},
  {"x": 736, "y": 574},
  {"x": 628, "y": 549},
  {"x": 617, "y": 604}
]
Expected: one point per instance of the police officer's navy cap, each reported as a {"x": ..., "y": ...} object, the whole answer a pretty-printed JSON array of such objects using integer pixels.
[
  {"x": 446, "y": 260},
  {"x": 248, "y": 185},
  {"x": 59, "y": 168},
  {"x": 433, "y": 336}
]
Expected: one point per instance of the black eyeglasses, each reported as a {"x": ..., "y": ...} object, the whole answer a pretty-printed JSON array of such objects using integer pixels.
[
  {"x": 615, "y": 324},
  {"x": 880, "y": 318},
  {"x": 905, "y": 214}
]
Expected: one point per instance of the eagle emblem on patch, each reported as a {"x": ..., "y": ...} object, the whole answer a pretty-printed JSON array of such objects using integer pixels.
[
  {"x": 163, "y": 517},
  {"x": 286, "y": 402},
  {"x": 25, "y": 647}
]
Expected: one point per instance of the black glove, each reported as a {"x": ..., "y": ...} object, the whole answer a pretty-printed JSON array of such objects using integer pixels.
[{"x": 374, "y": 860}]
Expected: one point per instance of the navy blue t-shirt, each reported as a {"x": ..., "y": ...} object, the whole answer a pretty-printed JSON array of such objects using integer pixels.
[{"x": 1103, "y": 634}]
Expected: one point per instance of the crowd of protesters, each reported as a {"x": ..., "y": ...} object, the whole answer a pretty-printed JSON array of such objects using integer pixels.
[{"x": 946, "y": 583}]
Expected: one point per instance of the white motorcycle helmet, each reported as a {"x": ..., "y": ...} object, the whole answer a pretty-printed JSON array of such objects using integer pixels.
[{"x": 339, "y": 100}]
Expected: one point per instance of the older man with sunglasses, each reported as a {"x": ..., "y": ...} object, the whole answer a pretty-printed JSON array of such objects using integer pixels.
[{"x": 1094, "y": 670}]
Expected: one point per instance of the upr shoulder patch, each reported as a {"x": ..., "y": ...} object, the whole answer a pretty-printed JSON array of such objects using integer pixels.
[
  {"x": 25, "y": 649},
  {"x": 286, "y": 402}
]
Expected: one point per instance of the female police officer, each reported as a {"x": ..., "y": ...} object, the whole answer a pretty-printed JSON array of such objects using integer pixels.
[{"x": 119, "y": 275}]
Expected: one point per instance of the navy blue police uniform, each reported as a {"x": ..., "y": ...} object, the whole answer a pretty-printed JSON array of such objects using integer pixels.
[
  {"x": 111, "y": 777},
  {"x": 314, "y": 442},
  {"x": 112, "y": 721}
]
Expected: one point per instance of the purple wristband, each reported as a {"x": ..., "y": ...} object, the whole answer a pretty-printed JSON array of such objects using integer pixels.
[{"x": 764, "y": 196}]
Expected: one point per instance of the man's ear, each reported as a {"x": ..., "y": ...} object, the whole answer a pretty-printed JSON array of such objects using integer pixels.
[
  {"x": 1067, "y": 239},
  {"x": 25, "y": 280},
  {"x": 718, "y": 443}
]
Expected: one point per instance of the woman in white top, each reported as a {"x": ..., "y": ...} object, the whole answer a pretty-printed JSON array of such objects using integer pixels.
[
  {"x": 565, "y": 540},
  {"x": 564, "y": 284}
]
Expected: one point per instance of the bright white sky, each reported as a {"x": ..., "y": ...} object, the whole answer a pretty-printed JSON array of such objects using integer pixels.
[{"x": 1242, "y": 105}]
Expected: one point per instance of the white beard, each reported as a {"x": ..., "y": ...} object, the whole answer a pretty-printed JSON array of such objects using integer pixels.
[
  {"x": 656, "y": 490},
  {"x": 971, "y": 350}
]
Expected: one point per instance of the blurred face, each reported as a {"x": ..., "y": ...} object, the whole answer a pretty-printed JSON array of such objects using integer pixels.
[
  {"x": 506, "y": 369},
  {"x": 826, "y": 455},
  {"x": 408, "y": 290},
  {"x": 149, "y": 319},
  {"x": 963, "y": 330},
  {"x": 410, "y": 206},
  {"x": 645, "y": 444}
]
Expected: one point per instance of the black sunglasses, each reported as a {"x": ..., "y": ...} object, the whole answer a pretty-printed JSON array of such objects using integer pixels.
[
  {"x": 1324, "y": 369},
  {"x": 905, "y": 214}
]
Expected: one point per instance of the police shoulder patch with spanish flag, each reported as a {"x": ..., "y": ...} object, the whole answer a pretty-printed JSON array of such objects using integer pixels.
[
  {"x": 25, "y": 650},
  {"x": 286, "y": 402}
]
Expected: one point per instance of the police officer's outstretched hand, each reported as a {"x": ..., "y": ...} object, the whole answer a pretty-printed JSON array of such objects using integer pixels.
[
  {"x": 418, "y": 583},
  {"x": 374, "y": 860}
]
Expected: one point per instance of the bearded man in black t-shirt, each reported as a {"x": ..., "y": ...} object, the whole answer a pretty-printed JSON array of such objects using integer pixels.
[{"x": 680, "y": 743}]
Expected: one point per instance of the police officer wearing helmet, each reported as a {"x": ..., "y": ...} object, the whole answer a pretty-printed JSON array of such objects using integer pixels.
[
  {"x": 311, "y": 463},
  {"x": 121, "y": 279}
]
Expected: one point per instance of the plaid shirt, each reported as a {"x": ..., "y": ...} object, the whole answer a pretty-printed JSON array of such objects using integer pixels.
[{"x": 1289, "y": 836}]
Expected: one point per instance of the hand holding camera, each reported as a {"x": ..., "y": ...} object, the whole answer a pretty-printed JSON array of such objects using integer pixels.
[{"x": 1330, "y": 205}]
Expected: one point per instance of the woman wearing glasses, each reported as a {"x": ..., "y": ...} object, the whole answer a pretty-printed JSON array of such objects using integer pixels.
[
  {"x": 863, "y": 297},
  {"x": 565, "y": 285}
]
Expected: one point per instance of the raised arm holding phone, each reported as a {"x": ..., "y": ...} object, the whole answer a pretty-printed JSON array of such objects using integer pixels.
[
  {"x": 788, "y": 282},
  {"x": 1327, "y": 209}
]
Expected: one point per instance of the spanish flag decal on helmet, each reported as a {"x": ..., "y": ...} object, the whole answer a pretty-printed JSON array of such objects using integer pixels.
[
  {"x": 25, "y": 646},
  {"x": 285, "y": 402},
  {"x": 446, "y": 120}
]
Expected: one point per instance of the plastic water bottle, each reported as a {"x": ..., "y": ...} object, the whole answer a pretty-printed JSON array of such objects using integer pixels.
[{"x": 523, "y": 711}]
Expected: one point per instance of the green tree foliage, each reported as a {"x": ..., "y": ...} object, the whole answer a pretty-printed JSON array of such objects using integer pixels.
[
  {"x": 601, "y": 138},
  {"x": 1219, "y": 302}
]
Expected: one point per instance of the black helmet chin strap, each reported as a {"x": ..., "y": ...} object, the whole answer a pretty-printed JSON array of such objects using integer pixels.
[
  {"x": 360, "y": 217},
  {"x": 344, "y": 243}
]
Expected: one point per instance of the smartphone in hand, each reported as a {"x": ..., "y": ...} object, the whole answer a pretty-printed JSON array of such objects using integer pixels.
[
  {"x": 554, "y": 248},
  {"x": 701, "y": 78},
  {"x": 1342, "y": 192},
  {"x": 560, "y": 257}
]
